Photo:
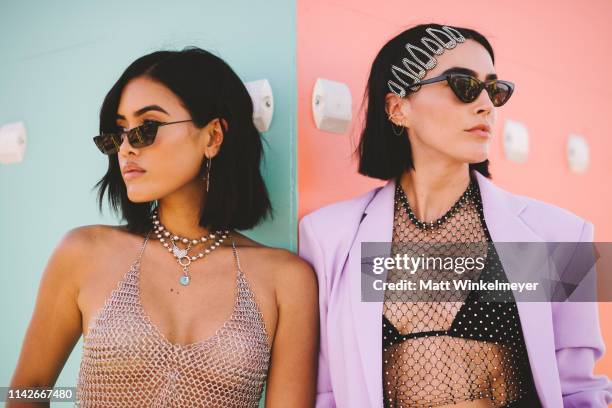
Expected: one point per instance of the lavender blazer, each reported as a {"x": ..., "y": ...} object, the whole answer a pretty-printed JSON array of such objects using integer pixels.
[{"x": 563, "y": 339}]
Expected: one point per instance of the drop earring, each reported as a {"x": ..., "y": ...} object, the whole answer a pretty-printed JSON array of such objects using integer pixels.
[
  {"x": 393, "y": 126},
  {"x": 207, "y": 177}
]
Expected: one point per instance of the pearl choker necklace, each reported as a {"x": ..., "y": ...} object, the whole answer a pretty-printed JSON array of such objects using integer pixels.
[{"x": 169, "y": 240}]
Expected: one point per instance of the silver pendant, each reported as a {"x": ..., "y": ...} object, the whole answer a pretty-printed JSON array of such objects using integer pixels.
[
  {"x": 184, "y": 280},
  {"x": 178, "y": 252}
]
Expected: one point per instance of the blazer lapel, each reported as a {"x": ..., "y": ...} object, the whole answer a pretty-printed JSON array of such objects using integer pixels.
[
  {"x": 502, "y": 215},
  {"x": 376, "y": 226}
]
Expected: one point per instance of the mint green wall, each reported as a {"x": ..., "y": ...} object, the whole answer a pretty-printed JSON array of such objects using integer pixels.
[{"x": 58, "y": 59}]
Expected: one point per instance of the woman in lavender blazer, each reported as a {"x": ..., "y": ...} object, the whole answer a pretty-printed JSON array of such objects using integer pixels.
[{"x": 429, "y": 140}]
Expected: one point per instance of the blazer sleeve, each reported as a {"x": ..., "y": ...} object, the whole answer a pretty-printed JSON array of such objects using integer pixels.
[
  {"x": 578, "y": 345},
  {"x": 310, "y": 250}
]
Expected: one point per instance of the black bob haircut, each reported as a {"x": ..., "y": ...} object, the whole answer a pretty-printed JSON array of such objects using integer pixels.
[
  {"x": 381, "y": 153},
  {"x": 208, "y": 88}
]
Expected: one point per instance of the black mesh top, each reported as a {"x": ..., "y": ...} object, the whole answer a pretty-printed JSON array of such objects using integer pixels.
[{"x": 462, "y": 348}]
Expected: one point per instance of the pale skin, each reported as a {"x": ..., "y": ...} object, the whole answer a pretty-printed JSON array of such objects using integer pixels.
[
  {"x": 436, "y": 121},
  {"x": 89, "y": 261},
  {"x": 442, "y": 149}
]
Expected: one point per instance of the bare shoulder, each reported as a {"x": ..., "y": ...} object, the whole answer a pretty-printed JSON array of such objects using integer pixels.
[
  {"x": 288, "y": 268},
  {"x": 76, "y": 242},
  {"x": 277, "y": 260},
  {"x": 295, "y": 283},
  {"x": 81, "y": 248},
  {"x": 288, "y": 272},
  {"x": 66, "y": 261},
  {"x": 92, "y": 238}
]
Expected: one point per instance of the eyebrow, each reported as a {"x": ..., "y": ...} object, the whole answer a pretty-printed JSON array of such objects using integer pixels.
[
  {"x": 467, "y": 71},
  {"x": 148, "y": 108}
]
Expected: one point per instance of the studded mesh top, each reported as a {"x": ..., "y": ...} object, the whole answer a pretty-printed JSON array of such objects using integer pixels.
[
  {"x": 127, "y": 362},
  {"x": 448, "y": 351}
]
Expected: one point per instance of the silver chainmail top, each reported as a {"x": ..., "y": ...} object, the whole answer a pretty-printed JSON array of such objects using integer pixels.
[
  {"x": 127, "y": 361},
  {"x": 446, "y": 352}
]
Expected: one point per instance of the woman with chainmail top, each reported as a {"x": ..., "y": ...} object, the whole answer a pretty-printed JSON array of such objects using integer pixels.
[{"x": 177, "y": 309}]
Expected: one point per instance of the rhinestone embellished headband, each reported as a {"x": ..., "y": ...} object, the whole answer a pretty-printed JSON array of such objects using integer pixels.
[{"x": 414, "y": 68}]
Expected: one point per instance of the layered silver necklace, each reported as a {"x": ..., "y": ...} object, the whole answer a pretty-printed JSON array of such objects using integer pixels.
[{"x": 170, "y": 240}]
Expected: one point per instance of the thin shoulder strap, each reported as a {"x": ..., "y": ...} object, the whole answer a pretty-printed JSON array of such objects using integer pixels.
[
  {"x": 236, "y": 254},
  {"x": 137, "y": 261}
]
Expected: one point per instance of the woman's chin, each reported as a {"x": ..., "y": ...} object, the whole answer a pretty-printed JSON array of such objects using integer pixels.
[
  {"x": 139, "y": 197},
  {"x": 478, "y": 158},
  {"x": 477, "y": 155}
]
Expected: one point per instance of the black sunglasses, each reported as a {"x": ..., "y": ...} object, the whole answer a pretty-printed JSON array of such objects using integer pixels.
[
  {"x": 467, "y": 88},
  {"x": 141, "y": 136}
]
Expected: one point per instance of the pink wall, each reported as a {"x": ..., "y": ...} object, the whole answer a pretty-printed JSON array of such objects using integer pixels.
[{"x": 555, "y": 53}]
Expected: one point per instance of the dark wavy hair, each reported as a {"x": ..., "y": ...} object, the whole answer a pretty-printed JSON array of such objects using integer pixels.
[
  {"x": 209, "y": 89},
  {"x": 381, "y": 153}
]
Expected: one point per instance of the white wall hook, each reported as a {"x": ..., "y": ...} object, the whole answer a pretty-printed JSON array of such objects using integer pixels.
[
  {"x": 13, "y": 139},
  {"x": 516, "y": 141},
  {"x": 577, "y": 153},
  {"x": 263, "y": 103},
  {"x": 331, "y": 105}
]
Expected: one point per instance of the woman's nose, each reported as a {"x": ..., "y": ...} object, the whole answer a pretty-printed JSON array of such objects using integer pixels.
[
  {"x": 125, "y": 147},
  {"x": 484, "y": 102}
]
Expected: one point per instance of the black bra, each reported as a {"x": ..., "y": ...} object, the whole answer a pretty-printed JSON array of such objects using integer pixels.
[{"x": 475, "y": 320}]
